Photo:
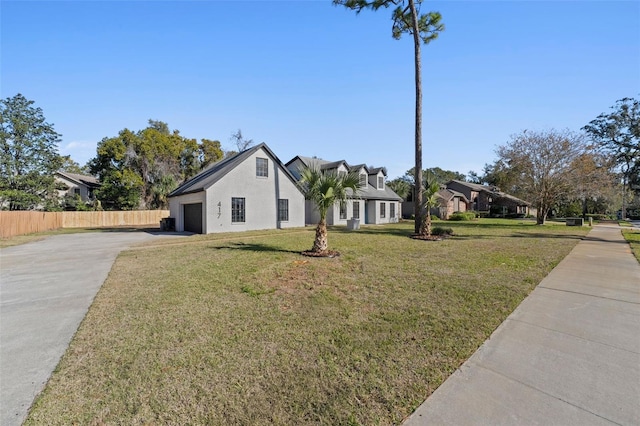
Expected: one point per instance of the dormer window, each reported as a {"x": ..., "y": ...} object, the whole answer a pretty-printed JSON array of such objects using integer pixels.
[
  {"x": 363, "y": 180},
  {"x": 380, "y": 182}
]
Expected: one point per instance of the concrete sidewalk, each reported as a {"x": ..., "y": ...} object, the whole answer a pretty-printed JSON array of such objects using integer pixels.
[
  {"x": 46, "y": 288},
  {"x": 568, "y": 355}
]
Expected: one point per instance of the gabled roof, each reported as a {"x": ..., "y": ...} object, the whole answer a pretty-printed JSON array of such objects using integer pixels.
[
  {"x": 474, "y": 186},
  {"x": 217, "y": 171},
  {"x": 360, "y": 166},
  {"x": 376, "y": 170},
  {"x": 512, "y": 198},
  {"x": 368, "y": 192},
  {"x": 307, "y": 160},
  {"x": 324, "y": 164},
  {"x": 492, "y": 190},
  {"x": 333, "y": 165},
  {"x": 448, "y": 194},
  {"x": 89, "y": 181}
]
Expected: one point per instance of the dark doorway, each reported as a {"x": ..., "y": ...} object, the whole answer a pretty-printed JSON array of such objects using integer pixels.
[{"x": 193, "y": 218}]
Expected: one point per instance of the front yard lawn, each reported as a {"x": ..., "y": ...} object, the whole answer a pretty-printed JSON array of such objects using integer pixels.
[{"x": 242, "y": 329}]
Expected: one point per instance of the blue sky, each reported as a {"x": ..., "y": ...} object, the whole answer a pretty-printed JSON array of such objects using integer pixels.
[{"x": 310, "y": 78}]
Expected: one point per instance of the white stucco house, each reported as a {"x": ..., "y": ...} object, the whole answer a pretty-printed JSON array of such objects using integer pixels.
[
  {"x": 374, "y": 203},
  {"x": 251, "y": 190}
]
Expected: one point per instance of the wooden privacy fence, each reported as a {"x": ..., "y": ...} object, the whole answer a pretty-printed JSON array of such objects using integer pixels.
[
  {"x": 20, "y": 222},
  {"x": 26, "y": 222}
]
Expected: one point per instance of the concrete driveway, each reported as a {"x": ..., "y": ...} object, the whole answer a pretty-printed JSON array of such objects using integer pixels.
[{"x": 46, "y": 288}]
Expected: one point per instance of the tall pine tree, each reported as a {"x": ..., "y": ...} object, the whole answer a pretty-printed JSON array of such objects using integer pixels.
[{"x": 28, "y": 156}]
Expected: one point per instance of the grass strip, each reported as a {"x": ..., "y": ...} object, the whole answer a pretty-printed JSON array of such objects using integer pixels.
[{"x": 633, "y": 238}]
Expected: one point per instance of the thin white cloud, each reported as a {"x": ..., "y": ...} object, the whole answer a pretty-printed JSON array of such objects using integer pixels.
[{"x": 79, "y": 151}]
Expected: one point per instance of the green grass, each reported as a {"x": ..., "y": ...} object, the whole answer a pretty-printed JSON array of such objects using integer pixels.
[
  {"x": 633, "y": 237},
  {"x": 242, "y": 329}
]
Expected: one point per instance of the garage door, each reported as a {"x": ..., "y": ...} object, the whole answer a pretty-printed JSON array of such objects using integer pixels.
[{"x": 193, "y": 218}]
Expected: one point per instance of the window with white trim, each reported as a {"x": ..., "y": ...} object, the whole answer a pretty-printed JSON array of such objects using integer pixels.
[
  {"x": 383, "y": 210},
  {"x": 392, "y": 210},
  {"x": 363, "y": 180},
  {"x": 380, "y": 182}
]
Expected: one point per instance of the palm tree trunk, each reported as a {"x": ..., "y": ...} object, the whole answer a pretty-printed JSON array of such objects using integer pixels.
[
  {"x": 417, "y": 200},
  {"x": 320, "y": 243},
  {"x": 425, "y": 228}
]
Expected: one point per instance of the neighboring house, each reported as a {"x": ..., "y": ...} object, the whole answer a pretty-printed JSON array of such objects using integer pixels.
[
  {"x": 251, "y": 190},
  {"x": 490, "y": 199},
  {"x": 450, "y": 202},
  {"x": 374, "y": 203},
  {"x": 76, "y": 184}
]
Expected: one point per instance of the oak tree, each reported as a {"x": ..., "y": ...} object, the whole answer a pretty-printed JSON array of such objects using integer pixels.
[
  {"x": 541, "y": 167},
  {"x": 139, "y": 169},
  {"x": 618, "y": 135}
]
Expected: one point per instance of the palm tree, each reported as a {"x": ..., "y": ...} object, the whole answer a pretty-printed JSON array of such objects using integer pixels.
[
  {"x": 325, "y": 189},
  {"x": 429, "y": 200}
]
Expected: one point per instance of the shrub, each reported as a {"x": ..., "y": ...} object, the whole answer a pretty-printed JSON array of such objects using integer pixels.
[
  {"x": 597, "y": 216},
  {"x": 459, "y": 216},
  {"x": 515, "y": 216},
  {"x": 441, "y": 231}
]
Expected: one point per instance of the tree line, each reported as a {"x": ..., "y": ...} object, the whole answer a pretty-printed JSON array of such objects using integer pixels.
[
  {"x": 568, "y": 173},
  {"x": 559, "y": 171},
  {"x": 136, "y": 169}
]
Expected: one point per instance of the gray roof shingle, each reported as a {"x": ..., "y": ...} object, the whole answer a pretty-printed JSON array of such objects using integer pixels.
[
  {"x": 217, "y": 171},
  {"x": 368, "y": 192}
]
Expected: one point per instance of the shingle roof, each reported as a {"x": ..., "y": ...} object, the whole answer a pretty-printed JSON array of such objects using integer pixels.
[
  {"x": 494, "y": 191},
  {"x": 333, "y": 165},
  {"x": 371, "y": 193},
  {"x": 84, "y": 179},
  {"x": 216, "y": 171},
  {"x": 474, "y": 186},
  {"x": 308, "y": 160},
  {"x": 359, "y": 166},
  {"x": 447, "y": 194},
  {"x": 368, "y": 192},
  {"x": 375, "y": 170},
  {"x": 324, "y": 164},
  {"x": 512, "y": 198}
]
